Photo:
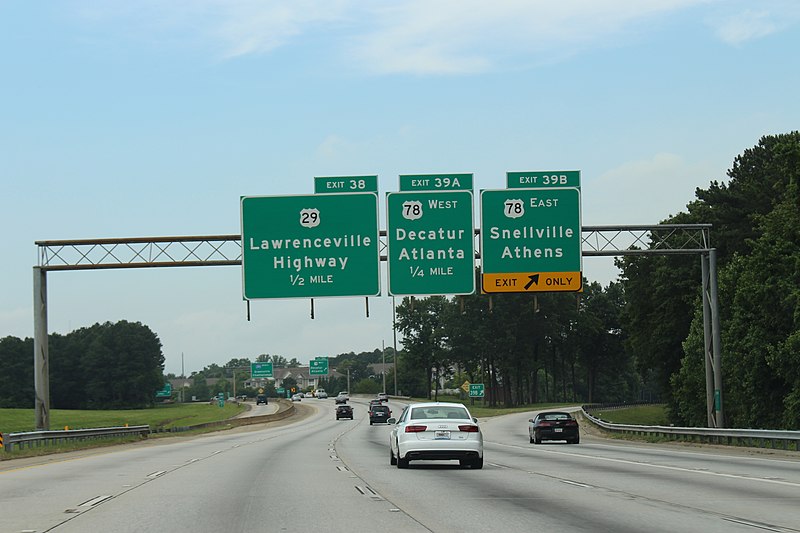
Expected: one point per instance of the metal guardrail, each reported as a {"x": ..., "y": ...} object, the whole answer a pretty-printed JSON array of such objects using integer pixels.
[
  {"x": 44, "y": 438},
  {"x": 32, "y": 439},
  {"x": 727, "y": 436}
]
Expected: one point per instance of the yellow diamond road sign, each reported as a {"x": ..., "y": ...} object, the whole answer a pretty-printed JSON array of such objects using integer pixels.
[{"x": 465, "y": 386}]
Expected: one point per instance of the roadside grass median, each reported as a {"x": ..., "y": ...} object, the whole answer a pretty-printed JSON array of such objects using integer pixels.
[
  {"x": 640, "y": 415},
  {"x": 164, "y": 416},
  {"x": 480, "y": 409}
]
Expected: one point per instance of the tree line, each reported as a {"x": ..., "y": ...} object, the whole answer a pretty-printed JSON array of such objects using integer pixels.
[{"x": 104, "y": 366}]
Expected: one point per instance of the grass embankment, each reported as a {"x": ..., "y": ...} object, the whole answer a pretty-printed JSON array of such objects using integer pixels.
[
  {"x": 161, "y": 416},
  {"x": 481, "y": 410},
  {"x": 644, "y": 415},
  {"x": 641, "y": 415}
]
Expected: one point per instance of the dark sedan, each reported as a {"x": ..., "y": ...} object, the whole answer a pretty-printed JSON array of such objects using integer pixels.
[
  {"x": 344, "y": 411},
  {"x": 378, "y": 414},
  {"x": 553, "y": 425}
]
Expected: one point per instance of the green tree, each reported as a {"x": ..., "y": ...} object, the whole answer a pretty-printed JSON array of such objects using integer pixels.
[
  {"x": 758, "y": 293},
  {"x": 420, "y": 321},
  {"x": 16, "y": 378},
  {"x": 123, "y": 364}
]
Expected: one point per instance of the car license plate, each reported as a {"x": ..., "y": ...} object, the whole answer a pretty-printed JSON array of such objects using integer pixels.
[
  {"x": 559, "y": 430},
  {"x": 442, "y": 435}
]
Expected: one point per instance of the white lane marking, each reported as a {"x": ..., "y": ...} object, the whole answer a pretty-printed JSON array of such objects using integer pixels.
[
  {"x": 95, "y": 501},
  {"x": 696, "y": 455},
  {"x": 756, "y": 525},
  {"x": 662, "y": 467},
  {"x": 575, "y": 483},
  {"x": 156, "y": 474}
]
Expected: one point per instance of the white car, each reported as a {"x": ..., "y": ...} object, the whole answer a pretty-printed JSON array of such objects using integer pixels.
[
  {"x": 436, "y": 431},
  {"x": 342, "y": 397}
]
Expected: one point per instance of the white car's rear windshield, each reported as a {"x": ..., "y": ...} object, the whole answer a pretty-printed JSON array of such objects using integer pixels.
[{"x": 419, "y": 413}]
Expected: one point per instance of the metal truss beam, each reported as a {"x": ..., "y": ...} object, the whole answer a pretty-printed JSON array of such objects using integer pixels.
[{"x": 222, "y": 250}]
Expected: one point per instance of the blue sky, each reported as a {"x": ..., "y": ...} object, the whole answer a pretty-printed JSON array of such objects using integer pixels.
[{"x": 152, "y": 118}]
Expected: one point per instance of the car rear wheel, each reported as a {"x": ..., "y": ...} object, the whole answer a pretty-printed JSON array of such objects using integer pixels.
[
  {"x": 392, "y": 458},
  {"x": 576, "y": 440},
  {"x": 477, "y": 464},
  {"x": 401, "y": 463},
  {"x": 537, "y": 439},
  {"x": 530, "y": 438}
]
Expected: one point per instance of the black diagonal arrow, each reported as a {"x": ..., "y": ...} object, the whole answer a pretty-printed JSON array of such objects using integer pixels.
[{"x": 534, "y": 278}]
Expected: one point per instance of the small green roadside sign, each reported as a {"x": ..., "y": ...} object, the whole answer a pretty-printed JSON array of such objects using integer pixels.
[
  {"x": 430, "y": 243},
  {"x": 318, "y": 367},
  {"x": 310, "y": 246},
  {"x": 340, "y": 184},
  {"x": 476, "y": 390},
  {"x": 166, "y": 392},
  {"x": 436, "y": 182},
  {"x": 261, "y": 370}
]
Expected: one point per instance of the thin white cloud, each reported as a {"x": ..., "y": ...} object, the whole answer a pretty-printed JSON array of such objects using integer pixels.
[
  {"x": 240, "y": 27},
  {"x": 655, "y": 188},
  {"x": 746, "y": 26},
  {"x": 740, "y": 22},
  {"x": 414, "y": 36},
  {"x": 469, "y": 36},
  {"x": 333, "y": 146}
]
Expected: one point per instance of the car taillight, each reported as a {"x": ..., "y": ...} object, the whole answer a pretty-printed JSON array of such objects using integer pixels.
[
  {"x": 545, "y": 424},
  {"x": 571, "y": 423},
  {"x": 415, "y": 429},
  {"x": 468, "y": 428}
]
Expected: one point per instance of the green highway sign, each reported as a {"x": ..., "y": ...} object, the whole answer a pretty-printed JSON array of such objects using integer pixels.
[
  {"x": 436, "y": 182},
  {"x": 310, "y": 246},
  {"x": 430, "y": 243},
  {"x": 166, "y": 392},
  {"x": 543, "y": 178},
  {"x": 318, "y": 367},
  {"x": 261, "y": 370},
  {"x": 344, "y": 184},
  {"x": 476, "y": 390},
  {"x": 531, "y": 240}
]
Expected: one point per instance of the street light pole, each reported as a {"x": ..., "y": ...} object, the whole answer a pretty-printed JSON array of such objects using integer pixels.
[
  {"x": 383, "y": 367},
  {"x": 394, "y": 333}
]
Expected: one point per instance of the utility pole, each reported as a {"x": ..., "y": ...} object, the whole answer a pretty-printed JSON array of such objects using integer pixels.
[
  {"x": 383, "y": 366},
  {"x": 394, "y": 333}
]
